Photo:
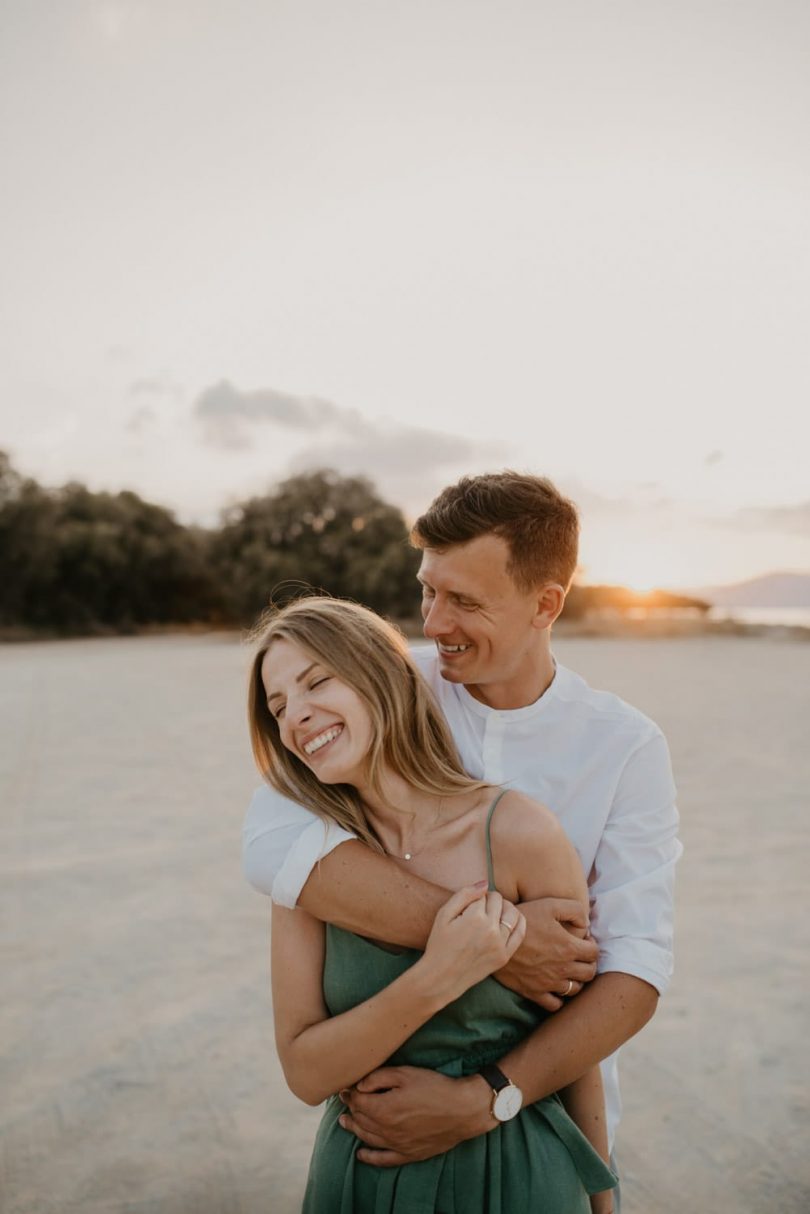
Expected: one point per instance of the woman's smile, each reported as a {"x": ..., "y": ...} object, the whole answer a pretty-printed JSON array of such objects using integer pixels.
[{"x": 321, "y": 740}]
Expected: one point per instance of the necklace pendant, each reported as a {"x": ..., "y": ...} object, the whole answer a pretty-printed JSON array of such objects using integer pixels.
[{"x": 407, "y": 855}]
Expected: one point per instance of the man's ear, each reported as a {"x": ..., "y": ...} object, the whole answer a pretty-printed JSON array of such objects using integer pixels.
[{"x": 550, "y": 602}]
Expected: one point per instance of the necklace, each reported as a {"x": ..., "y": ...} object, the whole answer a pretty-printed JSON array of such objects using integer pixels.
[
  {"x": 406, "y": 855},
  {"x": 410, "y": 855}
]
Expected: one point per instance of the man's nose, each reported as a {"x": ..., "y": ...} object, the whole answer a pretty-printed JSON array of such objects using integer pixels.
[{"x": 436, "y": 619}]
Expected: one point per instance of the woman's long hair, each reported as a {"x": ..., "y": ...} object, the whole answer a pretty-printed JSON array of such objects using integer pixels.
[{"x": 409, "y": 733}]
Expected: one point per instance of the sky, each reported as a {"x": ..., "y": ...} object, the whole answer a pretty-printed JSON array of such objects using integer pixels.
[{"x": 414, "y": 240}]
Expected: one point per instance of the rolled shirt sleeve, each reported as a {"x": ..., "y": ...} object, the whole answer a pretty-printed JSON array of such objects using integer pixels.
[
  {"x": 632, "y": 889},
  {"x": 281, "y": 844}
]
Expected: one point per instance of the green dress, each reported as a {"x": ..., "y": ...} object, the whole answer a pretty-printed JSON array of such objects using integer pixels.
[{"x": 537, "y": 1163}]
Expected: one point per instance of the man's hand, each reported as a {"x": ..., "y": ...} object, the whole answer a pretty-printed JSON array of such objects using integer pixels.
[
  {"x": 554, "y": 952},
  {"x": 405, "y": 1113}
]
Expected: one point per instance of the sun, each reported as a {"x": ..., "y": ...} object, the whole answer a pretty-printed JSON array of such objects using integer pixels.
[
  {"x": 641, "y": 568},
  {"x": 640, "y": 587}
]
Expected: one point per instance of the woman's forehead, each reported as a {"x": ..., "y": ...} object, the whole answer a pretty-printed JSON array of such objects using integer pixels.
[{"x": 285, "y": 659}]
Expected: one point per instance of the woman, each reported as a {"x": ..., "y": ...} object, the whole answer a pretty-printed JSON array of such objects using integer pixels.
[{"x": 342, "y": 723}]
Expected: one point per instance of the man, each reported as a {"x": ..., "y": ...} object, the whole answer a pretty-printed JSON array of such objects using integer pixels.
[{"x": 498, "y": 555}]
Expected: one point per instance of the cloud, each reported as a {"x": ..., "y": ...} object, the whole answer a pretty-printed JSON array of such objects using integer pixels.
[
  {"x": 644, "y": 497},
  {"x": 406, "y": 463},
  {"x": 141, "y": 420},
  {"x": 791, "y": 520},
  {"x": 229, "y": 416},
  {"x": 391, "y": 450},
  {"x": 158, "y": 385}
]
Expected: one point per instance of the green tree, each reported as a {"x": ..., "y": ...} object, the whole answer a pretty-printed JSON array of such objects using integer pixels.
[
  {"x": 76, "y": 561},
  {"x": 26, "y": 548},
  {"x": 319, "y": 528}
]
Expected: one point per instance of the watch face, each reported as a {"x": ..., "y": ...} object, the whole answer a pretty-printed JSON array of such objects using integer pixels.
[{"x": 507, "y": 1103}]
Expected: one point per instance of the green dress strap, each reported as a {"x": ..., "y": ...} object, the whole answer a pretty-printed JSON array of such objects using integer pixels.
[{"x": 488, "y": 840}]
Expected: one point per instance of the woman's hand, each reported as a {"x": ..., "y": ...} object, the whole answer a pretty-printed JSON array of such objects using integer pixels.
[{"x": 474, "y": 933}]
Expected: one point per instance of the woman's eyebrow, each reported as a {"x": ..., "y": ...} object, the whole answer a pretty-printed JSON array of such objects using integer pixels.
[{"x": 299, "y": 678}]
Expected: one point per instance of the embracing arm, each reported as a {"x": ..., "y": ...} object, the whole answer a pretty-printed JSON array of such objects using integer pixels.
[
  {"x": 297, "y": 859},
  {"x": 404, "y": 1113},
  {"x": 611, "y": 1010},
  {"x": 364, "y": 892},
  {"x": 321, "y": 1053},
  {"x": 632, "y": 892}
]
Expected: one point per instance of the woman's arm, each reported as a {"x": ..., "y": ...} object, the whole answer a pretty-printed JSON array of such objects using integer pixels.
[
  {"x": 584, "y": 1101},
  {"x": 321, "y": 1054}
]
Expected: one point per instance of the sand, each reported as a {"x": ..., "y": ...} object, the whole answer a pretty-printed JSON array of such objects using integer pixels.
[{"x": 138, "y": 1072}]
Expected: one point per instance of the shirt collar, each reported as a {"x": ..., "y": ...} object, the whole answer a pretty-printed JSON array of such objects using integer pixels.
[{"x": 528, "y": 711}]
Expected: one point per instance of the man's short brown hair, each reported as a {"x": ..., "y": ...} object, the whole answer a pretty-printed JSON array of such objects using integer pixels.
[{"x": 539, "y": 525}]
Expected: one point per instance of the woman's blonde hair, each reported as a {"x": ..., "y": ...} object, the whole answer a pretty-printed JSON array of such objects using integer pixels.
[{"x": 409, "y": 733}]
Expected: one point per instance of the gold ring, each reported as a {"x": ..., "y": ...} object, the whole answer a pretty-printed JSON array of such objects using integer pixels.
[
  {"x": 510, "y": 927},
  {"x": 568, "y": 989}
]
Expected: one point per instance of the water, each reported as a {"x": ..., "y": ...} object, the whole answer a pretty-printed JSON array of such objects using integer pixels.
[{"x": 786, "y": 616}]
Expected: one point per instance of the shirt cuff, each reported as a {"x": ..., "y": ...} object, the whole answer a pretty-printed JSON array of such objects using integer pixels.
[
  {"x": 314, "y": 843},
  {"x": 645, "y": 963}
]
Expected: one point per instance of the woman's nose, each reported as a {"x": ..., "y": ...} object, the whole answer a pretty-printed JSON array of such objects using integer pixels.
[{"x": 299, "y": 711}]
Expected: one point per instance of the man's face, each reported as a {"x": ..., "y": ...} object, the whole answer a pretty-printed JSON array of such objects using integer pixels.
[{"x": 484, "y": 626}]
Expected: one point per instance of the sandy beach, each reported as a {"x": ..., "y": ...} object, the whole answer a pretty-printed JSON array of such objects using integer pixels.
[{"x": 138, "y": 1070}]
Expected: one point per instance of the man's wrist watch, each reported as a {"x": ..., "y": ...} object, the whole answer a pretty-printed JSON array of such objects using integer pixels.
[{"x": 507, "y": 1098}]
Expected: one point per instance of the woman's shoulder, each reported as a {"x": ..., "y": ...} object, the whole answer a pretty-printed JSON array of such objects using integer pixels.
[
  {"x": 520, "y": 820},
  {"x": 530, "y": 850}
]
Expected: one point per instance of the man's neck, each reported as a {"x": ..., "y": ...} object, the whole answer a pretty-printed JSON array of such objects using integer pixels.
[{"x": 523, "y": 689}]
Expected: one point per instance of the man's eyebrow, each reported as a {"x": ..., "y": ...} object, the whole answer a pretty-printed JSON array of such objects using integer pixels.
[{"x": 299, "y": 678}]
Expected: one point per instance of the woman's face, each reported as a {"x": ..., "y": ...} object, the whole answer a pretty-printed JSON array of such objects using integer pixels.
[{"x": 321, "y": 719}]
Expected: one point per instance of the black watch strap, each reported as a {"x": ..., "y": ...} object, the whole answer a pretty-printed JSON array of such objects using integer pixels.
[{"x": 495, "y": 1077}]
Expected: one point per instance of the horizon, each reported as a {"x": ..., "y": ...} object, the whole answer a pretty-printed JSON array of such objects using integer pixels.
[
  {"x": 640, "y": 588},
  {"x": 242, "y": 244}
]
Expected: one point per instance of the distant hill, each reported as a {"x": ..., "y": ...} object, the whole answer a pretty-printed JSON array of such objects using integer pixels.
[{"x": 770, "y": 590}]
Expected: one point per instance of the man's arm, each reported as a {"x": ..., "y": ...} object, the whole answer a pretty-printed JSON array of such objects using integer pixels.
[
  {"x": 405, "y": 1113},
  {"x": 364, "y": 892},
  {"x": 296, "y": 858},
  {"x": 611, "y": 1010},
  {"x": 409, "y": 1114}
]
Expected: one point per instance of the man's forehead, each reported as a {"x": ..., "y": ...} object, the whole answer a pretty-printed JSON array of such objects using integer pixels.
[{"x": 478, "y": 564}]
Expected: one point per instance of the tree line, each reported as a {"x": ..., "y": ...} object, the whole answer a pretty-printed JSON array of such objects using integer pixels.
[{"x": 75, "y": 562}]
